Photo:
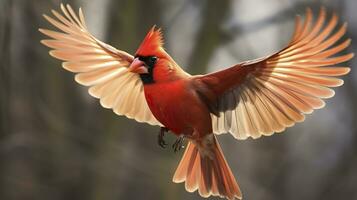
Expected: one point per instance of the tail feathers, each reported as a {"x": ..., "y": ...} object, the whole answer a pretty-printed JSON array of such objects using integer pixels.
[{"x": 207, "y": 172}]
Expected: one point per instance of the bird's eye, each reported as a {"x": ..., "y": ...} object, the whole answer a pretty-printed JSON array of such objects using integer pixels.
[{"x": 153, "y": 59}]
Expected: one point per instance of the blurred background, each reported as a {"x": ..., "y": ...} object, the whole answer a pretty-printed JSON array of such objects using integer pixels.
[{"x": 57, "y": 142}]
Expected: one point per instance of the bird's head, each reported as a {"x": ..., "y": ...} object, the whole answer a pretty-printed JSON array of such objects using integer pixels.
[{"x": 151, "y": 61}]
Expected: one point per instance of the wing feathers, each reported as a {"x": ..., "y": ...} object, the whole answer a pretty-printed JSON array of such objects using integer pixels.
[
  {"x": 98, "y": 65},
  {"x": 277, "y": 91},
  {"x": 297, "y": 30},
  {"x": 89, "y": 65}
]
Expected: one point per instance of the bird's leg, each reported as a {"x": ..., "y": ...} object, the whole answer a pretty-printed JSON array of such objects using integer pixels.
[
  {"x": 178, "y": 144},
  {"x": 160, "y": 137}
]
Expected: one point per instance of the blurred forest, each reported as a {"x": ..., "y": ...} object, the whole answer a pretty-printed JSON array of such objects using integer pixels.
[{"x": 57, "y": 142}]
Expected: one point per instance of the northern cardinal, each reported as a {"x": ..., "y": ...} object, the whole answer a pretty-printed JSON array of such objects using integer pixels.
[{"x": 249, "y": 99}]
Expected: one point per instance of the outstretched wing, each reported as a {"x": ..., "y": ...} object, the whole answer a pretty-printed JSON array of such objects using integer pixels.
[
  {"x": 98, "y": 65},
  {"x": 261, "y": 97}
]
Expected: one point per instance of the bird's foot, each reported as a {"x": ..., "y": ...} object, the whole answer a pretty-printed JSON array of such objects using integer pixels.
[
  {"x": 160, "y": 137},
  {"x": 178, "y": 144}
]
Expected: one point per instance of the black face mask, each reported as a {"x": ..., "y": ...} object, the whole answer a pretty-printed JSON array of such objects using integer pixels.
[{"x": 150, "y": 62}]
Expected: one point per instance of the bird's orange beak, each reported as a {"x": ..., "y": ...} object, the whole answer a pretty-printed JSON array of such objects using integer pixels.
[{"x": 138, "y": 66}]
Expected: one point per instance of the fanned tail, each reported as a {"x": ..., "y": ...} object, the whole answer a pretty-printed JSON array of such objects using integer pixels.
[{"x": 204, "y": 167}]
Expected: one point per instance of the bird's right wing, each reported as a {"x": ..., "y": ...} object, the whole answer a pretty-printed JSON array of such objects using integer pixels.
[
  {"x": 98, "y": 65},
  {"x": 264, "y": 96}
]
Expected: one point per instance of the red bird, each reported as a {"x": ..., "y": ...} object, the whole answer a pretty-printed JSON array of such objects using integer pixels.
[{"x": 249, "y": 99}]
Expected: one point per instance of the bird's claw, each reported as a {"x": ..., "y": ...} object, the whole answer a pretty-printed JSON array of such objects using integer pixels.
[
  {"x": 162, "y": 144},
  {"x": 178, "y": 144},
  {"x": 161, "y": 135}
]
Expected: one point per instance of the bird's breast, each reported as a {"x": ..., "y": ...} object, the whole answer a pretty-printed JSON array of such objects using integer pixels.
[{"x": 174, "y": 104}]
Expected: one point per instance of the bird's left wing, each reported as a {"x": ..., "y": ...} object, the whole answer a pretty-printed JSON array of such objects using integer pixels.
[
  {"x": 267, "y": 95},
  {"x": 98, "y": 65}
]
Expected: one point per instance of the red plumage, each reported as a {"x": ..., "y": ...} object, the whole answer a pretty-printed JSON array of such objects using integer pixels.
[
  {"x": 183, "y": 111},
  {"x": 152, "y": 43}
]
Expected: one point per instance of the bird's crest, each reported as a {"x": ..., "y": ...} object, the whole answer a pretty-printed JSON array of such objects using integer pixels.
[{"x": 152, "y": 43}]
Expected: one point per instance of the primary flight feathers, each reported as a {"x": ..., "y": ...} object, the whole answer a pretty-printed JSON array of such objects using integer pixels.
[
  {"x": 278, "y": 90},
  {"x": 98, "y": 65}
]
